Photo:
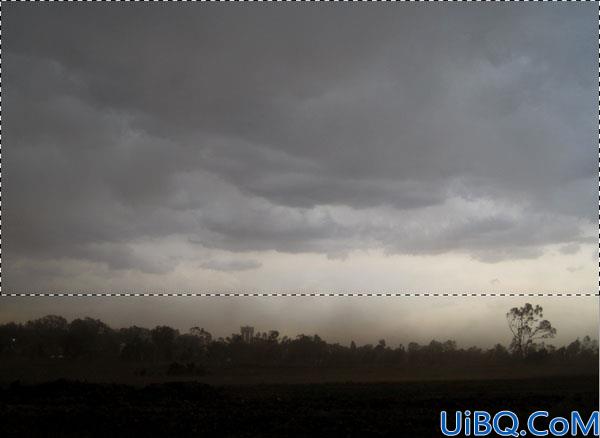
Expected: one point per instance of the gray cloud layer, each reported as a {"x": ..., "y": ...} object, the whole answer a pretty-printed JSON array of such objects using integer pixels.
[{"x": 414, "y": 129}]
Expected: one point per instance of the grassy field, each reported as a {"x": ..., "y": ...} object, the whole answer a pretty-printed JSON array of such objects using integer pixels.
[{"x": 67, "y": 408}]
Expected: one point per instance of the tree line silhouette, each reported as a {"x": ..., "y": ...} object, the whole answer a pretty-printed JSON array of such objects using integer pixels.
[{"x": 54, "y": 338}]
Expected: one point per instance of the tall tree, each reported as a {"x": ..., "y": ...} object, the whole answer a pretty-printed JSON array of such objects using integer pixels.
[{"x": 527, "y": 326}]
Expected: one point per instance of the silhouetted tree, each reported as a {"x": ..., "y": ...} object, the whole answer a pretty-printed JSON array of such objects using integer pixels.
[
  {"x": 91, "y": 339},
  {"x": 527, "y": 326},
  {"x": 273, "y": 336},
  {"x": 47, "y": 336},
  {"x": 204, "y": 336},
  {"x": 136, "y": 344},
  {"x": 163, "y": 338}
]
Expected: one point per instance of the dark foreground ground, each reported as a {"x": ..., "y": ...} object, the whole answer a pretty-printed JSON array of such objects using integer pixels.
[{"x": 66, "y": 408}]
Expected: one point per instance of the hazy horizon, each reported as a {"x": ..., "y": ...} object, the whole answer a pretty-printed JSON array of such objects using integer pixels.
[{"x": 469, "y": 321}]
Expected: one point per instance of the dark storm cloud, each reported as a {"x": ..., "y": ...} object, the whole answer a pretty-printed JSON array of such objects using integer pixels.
[{"x": 298, "y": 128}]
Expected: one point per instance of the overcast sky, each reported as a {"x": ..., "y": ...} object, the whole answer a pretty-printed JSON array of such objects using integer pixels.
[{"x": 371, "y": 147}]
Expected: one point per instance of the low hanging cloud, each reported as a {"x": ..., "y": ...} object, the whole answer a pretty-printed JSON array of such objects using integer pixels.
[
  {"x": 231, "y": 265},
  {"x": 412, "y": 131}
]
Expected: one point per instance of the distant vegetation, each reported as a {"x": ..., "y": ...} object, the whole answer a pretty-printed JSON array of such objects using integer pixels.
[
  {"x": 54, "y": 338},
  {"x": 83, "y": 378}
]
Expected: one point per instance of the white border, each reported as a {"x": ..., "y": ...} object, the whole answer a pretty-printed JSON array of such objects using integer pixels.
[{"x": 291, "y": 294}]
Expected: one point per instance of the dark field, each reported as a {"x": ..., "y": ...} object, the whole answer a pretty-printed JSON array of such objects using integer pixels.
[
  {"x": 66, "y": 408},
  {"x": 142, "y": 374}
]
